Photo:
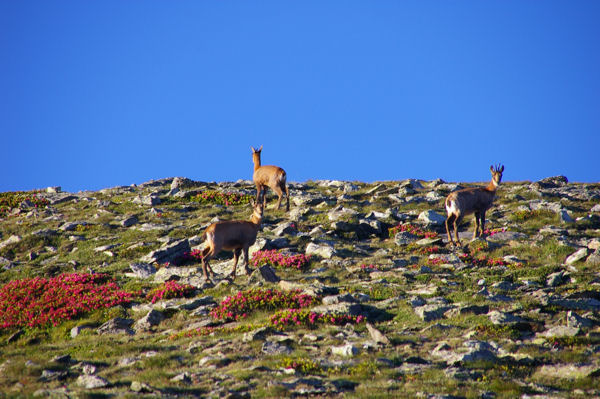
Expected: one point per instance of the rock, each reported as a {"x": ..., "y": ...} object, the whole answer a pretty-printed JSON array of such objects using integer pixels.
[
  {"x": 275, "y": 348},
  {"x": 53, "y": 190},
  {"x": 501, "y": 318},
  {"x": 258, "y": 334},
  {"x": 6, "y": 264},
  {"x": 71, "y": 226},
  {"x": 13, "y": 239},
  {"x": 347, "y": 350},
  {"x": 567, "y": 371},
  {"x": 594, "y": 258},
  {"x": 341, "y": 212},
  {"x": 595, "y": 208},
  {"x": 153, "y": 318},
  {"x": 129, "y": 221},
  {"x": 140, "y": 387},
  {"x": 565, "y": 217},
  {"x": 574, "y": 320},
  {"x": 53, "y": 375},
  {"x": 404, "y": 238},
  {"x": 183, "y": 378},
  {"x": 556, "y": 279},
  {"x": 552, "y": 182},
  {"x": 560, "y": 331},
  {"x": 142, "y": 270},
  {"x": 431, "y": 312},
  {"x": 506, "y": 236},
  {"x": 285, "y": 228},
  {"x": 117, "y": 325},
  {"x": 432, "y": 218},
  {"x": 333, "y": 299},
  {"x": 580, "y": 254},
  {"x": 323, "y": 250},
  {"x": 75, "y": 331},
  {"x": 91, "y": 381},
  {"x": 264, "y": 273},
  {"x": 150, "y": 200},
  {"x": 168, "y": 252},
  {"x": 352, "y": 309},
  {"x": 377, "y": 335}
]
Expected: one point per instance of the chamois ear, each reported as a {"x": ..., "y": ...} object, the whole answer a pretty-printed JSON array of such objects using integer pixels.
[
  {"x": 260, "y": 149},
  {"x": 253, "y": 150},
  {"x": 502, "y": 169},
  {"x": 492, "y": 168}
]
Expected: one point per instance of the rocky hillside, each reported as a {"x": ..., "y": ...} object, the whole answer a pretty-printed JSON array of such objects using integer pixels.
[{"x": 354, "y": 292}]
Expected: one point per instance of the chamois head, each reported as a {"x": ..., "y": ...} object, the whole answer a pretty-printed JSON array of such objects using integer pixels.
[
  {"x": 257, "y": 211},
  {"x": 256, "y": 155},
  {"x": 497, "y": 173}
]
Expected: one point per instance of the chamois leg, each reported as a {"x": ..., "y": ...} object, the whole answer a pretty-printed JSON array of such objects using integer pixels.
[
  {"x": 236, "y": 256},
  {"x": 207, "y": 254},
  {"x": 448, "y": 221},
  {"x": 287, "y": 195},
  {"x": 475, "y": 232},
  {"x": 258, "y": 193},
  {"x": 279, "y": 192},
  {"x": 482, "y": 217},
  {"x": 246, "y": 261},
  {"x": 456, "y": 223}
]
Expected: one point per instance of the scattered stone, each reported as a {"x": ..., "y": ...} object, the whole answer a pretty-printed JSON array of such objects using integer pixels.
[
  {"x": 556, "y": 279},
  {"x": 153, "y": 318},
  {"x": 431, "y": 312},
  {"x": 404, "y": 238},
  {"x": 75, "y": 331},
  {"x": 575, "y": 257},
  {"x": 129, "y": 221},
  {"x": 91, "y": 381},
  {"x": 323, "y": 250},
  {"x": 574, "y": 320},
  {"x": 560, "y": 331},
  {"x": 142, "y": 270},
  {"x": 13, "y": 239},
  {"x": 347, "y": 350},
  {"x": 432, "y": 218},
  {"x": 117, "y": 325},
  {"x": 377, "y": 335},
  {"x": 140, "y": 387},
  {"x": 53, "y": 375},
  {"x": 567, "y": 371},
  {"x": 275, "y": 348},
  {"x": 168, "y": 252}
]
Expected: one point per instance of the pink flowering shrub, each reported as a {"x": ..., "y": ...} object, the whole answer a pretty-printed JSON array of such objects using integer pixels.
[
  {"x": 170, "y": 289},
  {"x": 370, "y": 267},
  {"x": 412, "y": 229},
  {"x": 34, "y": 302},
  {"x": 217, "y": 197},
  {"x": 491, "y": 232},
  {"x": 279, "y": 259},
  {"x": 305, "y": 317},
  {"x": 238, "y": 306},
  {"x": 12, "y": 200}
]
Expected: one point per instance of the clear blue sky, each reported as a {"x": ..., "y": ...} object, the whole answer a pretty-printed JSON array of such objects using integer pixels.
[{"x": 96, "y": 94}]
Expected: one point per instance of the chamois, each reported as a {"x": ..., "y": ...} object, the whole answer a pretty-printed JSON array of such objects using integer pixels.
[
  {"x": 269, "y": 176},
  {"x": 234, "y": 235},
  {"x": 475, "y": 200}
]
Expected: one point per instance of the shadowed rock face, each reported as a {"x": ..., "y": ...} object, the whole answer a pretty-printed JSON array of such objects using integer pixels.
[{"x": 435, "y": 315}]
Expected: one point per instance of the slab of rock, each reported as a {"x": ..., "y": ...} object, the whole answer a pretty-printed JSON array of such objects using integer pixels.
[
  {"x": 560, "y": 331},
  {"x": 91, "y": 381},
  {"x": 432, "y": 218},
  {"x": 13, "y": 239},
  {"x": 431, "y": 312},
  {"x": 129, "y": 221},
  {"x": 275, "y": 348},
  {"x": 142, "y": 270},
  {"x": 404, "y": 238},
  {"x": 574, "y": 320},
  {"x": 567, "y": 371},
  {"x": 347, "y": 350},
  {"x": 153, "y": 318},
  {"x": 578, "y": 255},
  {"x": 323, "y": 250},
  {"x": 117, "y": 325},
  {"x": 377, "y": 335},
  {"x": 168, "y": 252}
]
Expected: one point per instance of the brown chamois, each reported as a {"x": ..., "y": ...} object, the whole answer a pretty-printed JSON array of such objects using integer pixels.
[
  {"x": 234, "y": 235},
  {"x": 269, "y": 176},
  {"x": 475, "y": 200}
]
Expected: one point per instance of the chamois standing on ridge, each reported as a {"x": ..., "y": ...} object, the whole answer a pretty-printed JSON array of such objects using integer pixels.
[
  {"x": 233, "y": 235},
  {"x": 475, "y": 200},
  {"x": 269, "y": 176}
]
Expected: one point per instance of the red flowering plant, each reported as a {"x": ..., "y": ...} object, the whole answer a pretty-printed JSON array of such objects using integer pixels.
[
  {"x": 279, "y": 259},
  {"x": 412, "y": 229},
  {"x": 370, "y": 267},
  {"x": 217, "y": 197},
  {"x": 305, "y": 317},
  {"x": 170, "y": 289},
  {"x": 244, "y": 302},
  {"x": 39, "y": 302},
  {"x": 12, "y": 200}
]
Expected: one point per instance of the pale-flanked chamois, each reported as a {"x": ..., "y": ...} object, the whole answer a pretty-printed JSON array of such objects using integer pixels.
[
  {"x": 234, "y": 235},
  {"x": 269, "y": 176},
  {"x": 475, "y": 200}
]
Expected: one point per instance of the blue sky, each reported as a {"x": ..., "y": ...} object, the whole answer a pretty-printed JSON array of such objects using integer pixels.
[{"x": 106, "y": 93}]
